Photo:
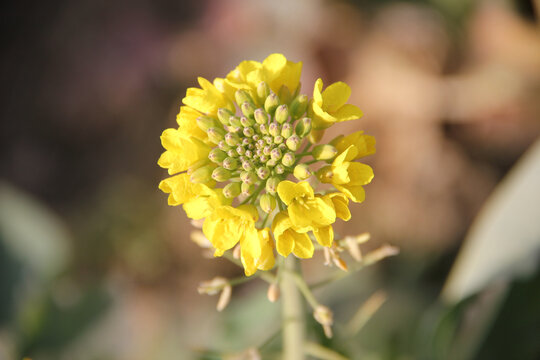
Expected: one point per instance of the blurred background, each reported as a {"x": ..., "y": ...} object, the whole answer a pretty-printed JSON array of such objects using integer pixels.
[{"x": 95, "y": 265}]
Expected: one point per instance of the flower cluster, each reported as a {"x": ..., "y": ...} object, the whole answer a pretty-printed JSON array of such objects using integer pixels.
[{"x": 240, "y": 138}]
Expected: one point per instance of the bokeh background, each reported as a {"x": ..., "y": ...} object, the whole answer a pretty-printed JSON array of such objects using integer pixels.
[{"x": 95, "y": 265}]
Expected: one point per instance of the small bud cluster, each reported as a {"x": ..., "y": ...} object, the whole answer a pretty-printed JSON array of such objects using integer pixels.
[{"x": 256, "y": 149}]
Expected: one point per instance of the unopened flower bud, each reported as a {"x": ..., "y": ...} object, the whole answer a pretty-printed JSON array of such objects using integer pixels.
[
  {"x": 215, "y": 134},
  {"x": 224, "y": 115},
  {"x": 247, "y": 109},
  {"x": 280, "y": 169},
  {"x": 232, "y": 190},
  {"x": 263, "y": 90},
  {"x": 248, "y": 131},
  {"x": 221, "y": 174},
  {"x": 286, "y": 130},
  {"x": 248, "y": 177},
  {"x": 240, "y": 150},
  {"x": 272, "y": 184},
  {"x": 271, "y": 103},
  {"x": 303, "y": 127},
  {"x": 268, "y": 203},
  {"x": 268, "y": 139},
  {"x": 275, "y": 154},
  {"x": 206, "y": 122},
  {"x": 230, "y": 163},
  {"x": 202, "y": 174},
  {"x": 235, "y": 122},
  {"x": 285, "y": 95},
  {"x": 288, "y": 159},
  {"x": 278, "y": 139},
  {"x": 263, "y": 173},
  {"x": 197, "y": 165},
  {"x": 267, "y": 149},
  {"x": 232, "y": 139},
  {"x": 217, "y": 155},
  {"x": 232, "y": 153},
  {"x": 274, "y": 129},
  {"x": 249, "y": 153},
  {"x": 282, "y": 114},
  {"x": 241, "y": 96},
  {"x": 298, "y": 106},
  {"x": 302, "y": 172},
  {"x": 260, "y": 116},
  {"x": 222, "y": 145},
  {"x": 263, "y": 158},
  {"x": 271, "y": 162},
  {"x": 247, "y": 165},
  {"x": 324, "y": 152},
  {"x": 247, "y": 189},
  {"x": 263, "y": 128},
  {"x": 293, "y": 142}
]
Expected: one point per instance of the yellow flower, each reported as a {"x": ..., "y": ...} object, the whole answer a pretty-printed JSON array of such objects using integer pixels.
[
  {"x": 290, "y": 240},
  {"x": 266, "y": 260},
  {"x": 365, "y": 144},
  {"x": 226, "y": 226},
  {"x": 340, "y": 203},
  {"x": 182, "y": 151},
  {"x": 347, "y": 176},
  {"x": 305, "y": 210},
  {"x": 208, "y": 99},
  {"x": 187, "y": 123},
  {"x": 329, "y": 106},
  {"x": 204, "y": 201}
]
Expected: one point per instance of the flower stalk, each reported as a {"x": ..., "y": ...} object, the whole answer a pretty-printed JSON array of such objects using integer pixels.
[{"x": 293, "y": 313}]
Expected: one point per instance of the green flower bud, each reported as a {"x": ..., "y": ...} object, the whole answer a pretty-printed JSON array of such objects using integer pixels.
[
  {"x": 274, "y": 129},
  {"x": 271, "y": 163},
  {"x": 267, "y": 149},
  {"x": 248, "y": 177},
  {"x": 202, "y": 174},
  {"x": 275, "y": 154},
  {"x": 248, "y": 109},
  {"x": 324, "y": 152},
  {"x": 268, "y": 140},
  {"x": 263, "y": 158},
  {"x": 246, "y": 121},
  {"x": 299, "y": 106},
  {"x": 224, "y": 115},
  {"x": 235, "y": 122},
  {"x": 282, "y": 114},
  {"x": 280, "y": 169},
  {"x": 206, "y": 122},
  {"x": 288, "y": 159},
  {"x": 263, "y": 173},
  {"x": 271, "y": 184},
  {"x": 230, "y": 163},
  {"x": 302, "y": 172},
  {"x": 247, "y": 165},
  {"x": 268, "y": 203},
  {"x": 223, "y": 146},
  {"x": 260, "y": 116},
  {"x": 220, "y": 174},
  {"x": 240, "y": 150},
  {"x": 232, "y": 139},
  {"x": 278, "y": 139},
  {"x": 247, "y": 189},
  {"x": 303, "y": 127},
  {"x": 293, "y": 142},
  {"x": 286, "y": 130},
  {"x": 282, "y": 147},
  {"x": 263, "y": 90},
  {"x": 232, "y": 190},
  {"x": 197, "y": 165},
  {"x": 285, "y": 95},
  {"x": 215, "y": 134},
  {"x": 249, "y": 153},
  {"x": 263, "y": 129},
  {"x": 232, "y": 153},
  {"x": 242, "y": 96},
  {"x": 248, "y": 131},
  {"x": 271, "y": 103},
  {"x": 217, "y": 155}
]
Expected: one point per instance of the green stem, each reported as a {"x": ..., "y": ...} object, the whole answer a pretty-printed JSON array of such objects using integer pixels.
[{"x": 293, "y": 313}]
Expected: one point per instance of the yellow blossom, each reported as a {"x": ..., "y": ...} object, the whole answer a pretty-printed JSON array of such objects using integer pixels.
[
  {"x": 266, "y": 260},
  {"x": 208, "y": 99},
  {"x": 182, "y": 151},
  {"x": 305, "y": 210},
  {"x": 289, "y": 240},
  {"x": 347, "y": 176},
  {"x": 365, "y": 144},
  {"x": 329, "y": 106},
  {"x": 187, "y": 123}
]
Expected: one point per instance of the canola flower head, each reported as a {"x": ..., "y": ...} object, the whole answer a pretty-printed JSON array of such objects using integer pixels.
[{"x": 244, "y": 156}]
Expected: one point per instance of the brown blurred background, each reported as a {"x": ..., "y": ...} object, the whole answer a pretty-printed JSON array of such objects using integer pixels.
[{"x": 95, "y": 265}]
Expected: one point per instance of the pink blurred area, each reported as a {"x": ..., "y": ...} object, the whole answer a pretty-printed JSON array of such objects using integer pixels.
[{"x": 89, "y": 86}]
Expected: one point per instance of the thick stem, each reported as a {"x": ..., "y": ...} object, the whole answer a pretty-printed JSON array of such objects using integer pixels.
[{"x": 293, "y": 312}]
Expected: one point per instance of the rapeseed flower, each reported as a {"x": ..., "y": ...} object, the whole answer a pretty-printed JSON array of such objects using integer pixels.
[{"x": 240, "y": 141}]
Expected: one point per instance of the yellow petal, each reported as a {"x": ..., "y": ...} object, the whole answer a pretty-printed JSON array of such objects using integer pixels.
[
  {"x": 250, "y": 249},
  {"x": 341, "y": 207},
  {"x": 179, "y": 188},
  {"x": 360, "y": 174},
  {"x": 348, "y": 112},
  {"x": 365, "y": 144},
  {"x": 324, "y": 235},
  {"x": 317, "y": 92},
  {"x": 285, "y": 243},
  {"x": 266, "y": 260},
  {"x": 314, "y": 212},
  {"x": 303, "y": 246},
  {"x": 187, "y": 122},
  {"x": 280, "y": 71},
  {"x": 335, "y": 96},
  {"x": 355, "y": 193},
  {"x": 287, "y": 190}
]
